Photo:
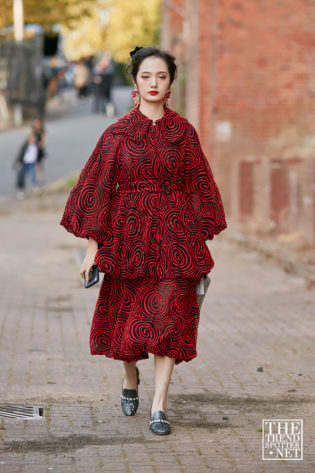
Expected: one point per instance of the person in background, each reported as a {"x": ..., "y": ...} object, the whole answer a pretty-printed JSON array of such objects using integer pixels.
[
  {"x": 81, "y": 77},
  {"x": 26, "y": 164},
  {"x": 108, "y": 76},
  {"x": 53, "y": 78},
  {"x": 102, "y": 76},
  {"x": 39, "y": 131}
]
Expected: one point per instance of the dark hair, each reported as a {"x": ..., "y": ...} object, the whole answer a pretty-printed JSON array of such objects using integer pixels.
[{"x": 139, "y": 54}]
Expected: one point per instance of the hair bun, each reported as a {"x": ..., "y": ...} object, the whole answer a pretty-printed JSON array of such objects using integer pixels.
[{"x": 137, "y": 48}]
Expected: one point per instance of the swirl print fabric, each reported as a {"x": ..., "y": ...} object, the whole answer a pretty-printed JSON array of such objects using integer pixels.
[{"x": 147, "y": 195}]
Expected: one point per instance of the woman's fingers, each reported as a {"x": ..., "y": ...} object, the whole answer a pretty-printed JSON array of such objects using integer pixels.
[
  {"x": 85, "y": 272},
  {"x": 88, "y": 262}
]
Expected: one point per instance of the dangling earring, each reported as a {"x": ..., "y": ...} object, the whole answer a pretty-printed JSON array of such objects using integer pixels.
[
  {"x": 167, "y": 96},
  {"x": 135, "y": 95}
]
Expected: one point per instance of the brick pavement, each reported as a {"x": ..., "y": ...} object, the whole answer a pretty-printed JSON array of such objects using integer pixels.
[{"x": 255, "y": 315}]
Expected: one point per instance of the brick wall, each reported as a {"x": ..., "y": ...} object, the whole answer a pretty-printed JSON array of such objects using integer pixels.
[{"x": 252, "y": 98}]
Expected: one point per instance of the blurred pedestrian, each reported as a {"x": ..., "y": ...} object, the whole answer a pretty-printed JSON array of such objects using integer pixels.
[
  {"x": 108, "y": 77},
  {"x": 39, "y": 131},
  {"x": 102, "y": 79},
  {"x": 26, "y": 165},
  {"x": 53, "y": 78},
  {"x": 81, "y": 75}
]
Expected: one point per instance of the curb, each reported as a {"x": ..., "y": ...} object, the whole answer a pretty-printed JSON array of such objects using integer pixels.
[
  {"x": 288, "y": 260},
  {"x": 60, "y": 184}
]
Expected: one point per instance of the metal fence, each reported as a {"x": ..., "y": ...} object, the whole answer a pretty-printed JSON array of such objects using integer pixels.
[{"x": 21, "y": 77}]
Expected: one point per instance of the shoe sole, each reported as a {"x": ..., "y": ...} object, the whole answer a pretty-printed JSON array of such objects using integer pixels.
[{"x": 160, "y": 433}]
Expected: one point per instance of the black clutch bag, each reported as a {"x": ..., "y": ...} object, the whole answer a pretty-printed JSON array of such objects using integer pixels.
[
  {"x": 94, "y": 276},
  {"x": 201, "y": 289}
]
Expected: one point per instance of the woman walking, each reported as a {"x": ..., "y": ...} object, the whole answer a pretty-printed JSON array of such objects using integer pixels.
[{"x": 146, "y": 200}]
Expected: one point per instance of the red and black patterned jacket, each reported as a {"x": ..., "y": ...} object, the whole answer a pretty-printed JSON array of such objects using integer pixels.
[{"x": 147, "y": 195}]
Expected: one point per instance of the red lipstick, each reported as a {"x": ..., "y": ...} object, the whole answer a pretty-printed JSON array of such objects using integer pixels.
[{"x": 153, "y": 92}]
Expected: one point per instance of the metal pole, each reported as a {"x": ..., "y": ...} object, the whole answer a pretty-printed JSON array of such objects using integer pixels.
[{"x": 18, "y": 20}]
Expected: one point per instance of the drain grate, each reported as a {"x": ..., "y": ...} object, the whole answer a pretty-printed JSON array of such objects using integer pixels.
[{"x": 23, "y": 412}]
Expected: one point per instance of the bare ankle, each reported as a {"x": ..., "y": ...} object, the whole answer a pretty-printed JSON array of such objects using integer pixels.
[
  {"x": 130, "y": 378},
  {"x": 160, "y": 405}
]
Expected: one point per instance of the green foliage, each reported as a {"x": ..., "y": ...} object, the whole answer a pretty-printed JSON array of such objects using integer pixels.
[
  {"x": 70, "y": 182},
  {"x": 95, "y": 26},
  {"x": 132, "y": 24},
  {"x": 49, "y": 12},
  {"x": 128, "y": 24}
]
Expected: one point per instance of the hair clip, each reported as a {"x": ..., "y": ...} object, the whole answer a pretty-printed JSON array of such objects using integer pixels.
[{"x": 137, "y": 48}]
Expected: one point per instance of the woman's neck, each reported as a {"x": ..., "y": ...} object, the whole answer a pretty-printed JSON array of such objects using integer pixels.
[{"x": 154, "y": 111}]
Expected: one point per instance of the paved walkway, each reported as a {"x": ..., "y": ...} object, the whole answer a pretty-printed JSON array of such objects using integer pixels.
[{"x": 255, "y": 315}]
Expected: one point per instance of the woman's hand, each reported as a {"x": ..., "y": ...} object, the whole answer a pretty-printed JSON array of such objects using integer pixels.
[{"x": 89, "y": 259}]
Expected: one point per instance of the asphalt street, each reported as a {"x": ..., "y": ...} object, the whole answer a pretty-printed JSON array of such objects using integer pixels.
[{"x": 72, "y": 132}]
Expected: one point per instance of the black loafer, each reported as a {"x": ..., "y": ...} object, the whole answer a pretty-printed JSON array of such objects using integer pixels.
[
  {"x": 130, "y": 399},
  {"x": 159, "y": 423}
]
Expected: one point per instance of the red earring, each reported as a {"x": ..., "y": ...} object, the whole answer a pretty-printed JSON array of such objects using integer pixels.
[
  {"x": 135, "y": 95},
  {"x": 167, "y": 96}
]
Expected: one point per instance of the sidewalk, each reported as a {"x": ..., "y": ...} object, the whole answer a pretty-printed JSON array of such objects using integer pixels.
[{"x": 255, "y": 315}]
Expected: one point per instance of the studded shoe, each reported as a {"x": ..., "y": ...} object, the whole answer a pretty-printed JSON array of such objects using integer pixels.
[
  {"x": 159, "y": 423},
  {"x": 130, "y": 399}
]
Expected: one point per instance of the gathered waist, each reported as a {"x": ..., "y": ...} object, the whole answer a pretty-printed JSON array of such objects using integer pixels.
[{"x": 166, "y": 186}]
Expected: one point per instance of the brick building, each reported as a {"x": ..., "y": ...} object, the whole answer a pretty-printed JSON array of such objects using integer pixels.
[{"x": 247, "y": 82}]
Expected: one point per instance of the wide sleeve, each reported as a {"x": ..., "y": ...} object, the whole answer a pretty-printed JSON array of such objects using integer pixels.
[
  {"x": 205, "y": 196},
  {"x": 87, "y": 209}
]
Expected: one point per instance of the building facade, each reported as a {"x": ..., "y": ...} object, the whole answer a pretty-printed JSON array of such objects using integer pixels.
[{"x": 247, "y": 82}]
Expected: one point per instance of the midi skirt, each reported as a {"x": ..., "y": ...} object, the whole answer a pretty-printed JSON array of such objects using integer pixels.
[{"x": 135, "y": 317}]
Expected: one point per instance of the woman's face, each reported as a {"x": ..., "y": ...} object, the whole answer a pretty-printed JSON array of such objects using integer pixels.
[{"x": 152, "y": 76}]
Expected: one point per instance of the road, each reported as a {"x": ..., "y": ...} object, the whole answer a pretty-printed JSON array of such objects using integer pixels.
[{"x": 70, "y": 140}]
